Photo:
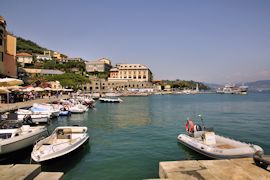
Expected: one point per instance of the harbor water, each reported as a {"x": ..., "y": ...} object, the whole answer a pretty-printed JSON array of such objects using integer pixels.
[{"x": 129, "y": 139}]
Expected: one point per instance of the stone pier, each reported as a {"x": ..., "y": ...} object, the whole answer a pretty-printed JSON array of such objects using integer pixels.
[{"x": 228, "y": 169}]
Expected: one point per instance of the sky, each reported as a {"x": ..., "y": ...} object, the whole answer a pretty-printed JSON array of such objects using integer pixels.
[{"x": 208, "y": 41}]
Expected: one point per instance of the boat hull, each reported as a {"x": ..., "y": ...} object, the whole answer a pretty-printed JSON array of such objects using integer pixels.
[
  {"x": 17, "y": 143},
  {"x": 59, "y": 153}
]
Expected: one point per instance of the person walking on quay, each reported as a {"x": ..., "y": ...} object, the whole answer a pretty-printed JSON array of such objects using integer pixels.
[{"x": 49, "y": 94}]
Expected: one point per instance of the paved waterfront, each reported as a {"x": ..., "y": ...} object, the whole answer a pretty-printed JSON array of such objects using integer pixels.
[{"x": 14, "y": 106}]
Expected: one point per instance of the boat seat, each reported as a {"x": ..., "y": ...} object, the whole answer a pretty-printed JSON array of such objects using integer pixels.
[{"x": 225, "y": 146}]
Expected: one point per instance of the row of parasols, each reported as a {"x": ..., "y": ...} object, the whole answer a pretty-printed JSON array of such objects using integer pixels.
[{"x": 11, "y": 84}]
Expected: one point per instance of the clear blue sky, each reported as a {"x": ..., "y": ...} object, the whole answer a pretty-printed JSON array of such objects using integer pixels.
[{"x": 210, "y": 41}]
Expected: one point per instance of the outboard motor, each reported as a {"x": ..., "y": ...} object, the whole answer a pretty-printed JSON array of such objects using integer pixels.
[
  {"x": 197, "y": 127},
  {"x": 27, "y": 120}
]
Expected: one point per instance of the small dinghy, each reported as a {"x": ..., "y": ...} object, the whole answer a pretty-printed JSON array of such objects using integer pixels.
[
  {"x": 206, "y": 142},
  {"x": 110, "y": 100},
  {"x": 62, "y": 141}
]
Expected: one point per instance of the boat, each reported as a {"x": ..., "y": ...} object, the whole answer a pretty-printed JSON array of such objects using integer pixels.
[
  {"x": 16, "y": 136},
  {"x": 233, "y": 89},
  {"x": 110, "y": 100},
  {"x": 62, "y": 141},
  {"x": 78, "y": 109},
  {"x": 64, "y": 113},
  {"x": 35, "y": 116},
  {"x": 207, "y": 142},
  {"x": 51, "y": 110}
]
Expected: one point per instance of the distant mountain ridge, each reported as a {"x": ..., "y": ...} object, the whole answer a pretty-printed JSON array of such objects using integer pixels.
[{"x": 261, "y": 85}]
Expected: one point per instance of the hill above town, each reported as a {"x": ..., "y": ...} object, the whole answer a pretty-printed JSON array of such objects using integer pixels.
[{"x": 29, "y": 46}]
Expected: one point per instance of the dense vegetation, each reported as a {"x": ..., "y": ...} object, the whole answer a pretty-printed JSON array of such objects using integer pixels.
[
  {"x": 182, "y": 84},
  {"x": 69, "y": 80},
  {"x": 28, "y": 46},
  {"x": 67, "y": 67}
]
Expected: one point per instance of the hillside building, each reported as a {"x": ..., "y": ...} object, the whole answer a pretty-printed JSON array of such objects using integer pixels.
[
  {"x": 24, "y": 59},
  {"x": 101, "y": 65}
]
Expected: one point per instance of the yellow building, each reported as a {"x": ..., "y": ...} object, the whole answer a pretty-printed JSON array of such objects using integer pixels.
[
  {"x": 8, "y": 65},
  {"x": 2, "y": 42},
  {"x": 128, "y": 72}
]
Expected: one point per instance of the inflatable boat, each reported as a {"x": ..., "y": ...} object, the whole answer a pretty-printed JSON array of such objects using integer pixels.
[{"x": 206, "y": 142}]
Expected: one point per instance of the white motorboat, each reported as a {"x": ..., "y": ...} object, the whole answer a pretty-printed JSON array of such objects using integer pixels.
[
  {"x": 77, "y": 109},
  {"x": 62, "y": 141},
  {"x": 36, "y": 117},
  {"x": 13, "y": 138},
  {"x": 110, "y": 100},
  {"x": 52, "y": 110},
  {"x": 206, "y": 142}
]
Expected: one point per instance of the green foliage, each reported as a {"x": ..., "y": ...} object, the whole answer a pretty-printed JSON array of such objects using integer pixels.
[
  {"x": 28, "y": 46},
  {"x": 67, "y": 67},
  {"x": 101, "y": 75},
  {"x": 70, "y": 80},
  {"x": 182, "y": 84}
]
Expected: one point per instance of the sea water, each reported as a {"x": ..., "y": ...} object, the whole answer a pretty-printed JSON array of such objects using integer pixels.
[{"x": 129, "y": 139}]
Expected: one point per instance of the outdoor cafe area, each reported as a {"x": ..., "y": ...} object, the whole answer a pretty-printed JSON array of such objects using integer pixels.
[{"x": 12, "y": 92}]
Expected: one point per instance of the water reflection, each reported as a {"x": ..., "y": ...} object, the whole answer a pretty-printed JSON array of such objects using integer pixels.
[
  {"x": 132, "y": 112},
  {"x": 190, "y": 154}
]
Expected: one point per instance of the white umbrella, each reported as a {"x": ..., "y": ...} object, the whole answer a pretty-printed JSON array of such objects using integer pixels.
[
  {"x": 47, "y": 88},
  {"x": 28, "y": 89},
  {"x": 10, "y": 82},
  {"x": 38, "y": 89},
  {"x": 67, "y": 89},
  {"x": 4, "y": 90}
]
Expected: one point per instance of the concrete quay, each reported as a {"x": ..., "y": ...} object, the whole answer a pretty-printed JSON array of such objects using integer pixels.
[
  {"x": 18, "y": 105},
  {"x": 27, "y": 172},
  {"x": 228, "y": 169}
]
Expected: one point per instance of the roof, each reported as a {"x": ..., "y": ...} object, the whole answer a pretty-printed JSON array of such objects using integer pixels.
[
  {"x": 41, "y": 71},
  {"x": 23, "y": 54},
  {"x": 114, "y": 69}
]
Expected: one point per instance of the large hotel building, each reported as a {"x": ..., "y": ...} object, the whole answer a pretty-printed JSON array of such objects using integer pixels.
[
  {"x": 123, "y": 76},
  {"x": 131, "y": 72}
]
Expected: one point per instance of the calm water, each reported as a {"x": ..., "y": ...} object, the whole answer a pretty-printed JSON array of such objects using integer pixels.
[{"x": 128, "y": 140}]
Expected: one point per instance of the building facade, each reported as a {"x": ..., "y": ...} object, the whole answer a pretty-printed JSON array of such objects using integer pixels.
[
  {"x": 55, "y": 55},
  {"x": 8, "y": 64},
  {"x": 131, "y": 72},
  {"x": 42, "y": 57},
  {"x": 103, "y": 86},
  {"x": 24, "y": 58},
  {"x": 101, "y": 65}
]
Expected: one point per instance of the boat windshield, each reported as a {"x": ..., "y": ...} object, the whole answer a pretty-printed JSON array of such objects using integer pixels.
[{"x": 5, "y": 135}]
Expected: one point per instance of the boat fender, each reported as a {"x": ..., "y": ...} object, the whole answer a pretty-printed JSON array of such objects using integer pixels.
[{"x": 190, "y": 126}]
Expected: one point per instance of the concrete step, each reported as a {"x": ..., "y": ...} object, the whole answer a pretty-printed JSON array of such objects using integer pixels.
[{"x": 50, "y": 176}]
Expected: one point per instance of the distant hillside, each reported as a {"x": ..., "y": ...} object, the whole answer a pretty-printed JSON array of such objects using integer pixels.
[
  {"x": 263, "y": 85},
  {"x": 28, "y": 46},
  {"x": 213, "y": 86}
]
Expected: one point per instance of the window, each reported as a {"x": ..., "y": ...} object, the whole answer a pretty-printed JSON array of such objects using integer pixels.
[
  {"x": 1, "y": 41},
  {"x": 139, "y": 77},
  {"x": 1, "y": 56},
  {"x": 144, "y": 77}
]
